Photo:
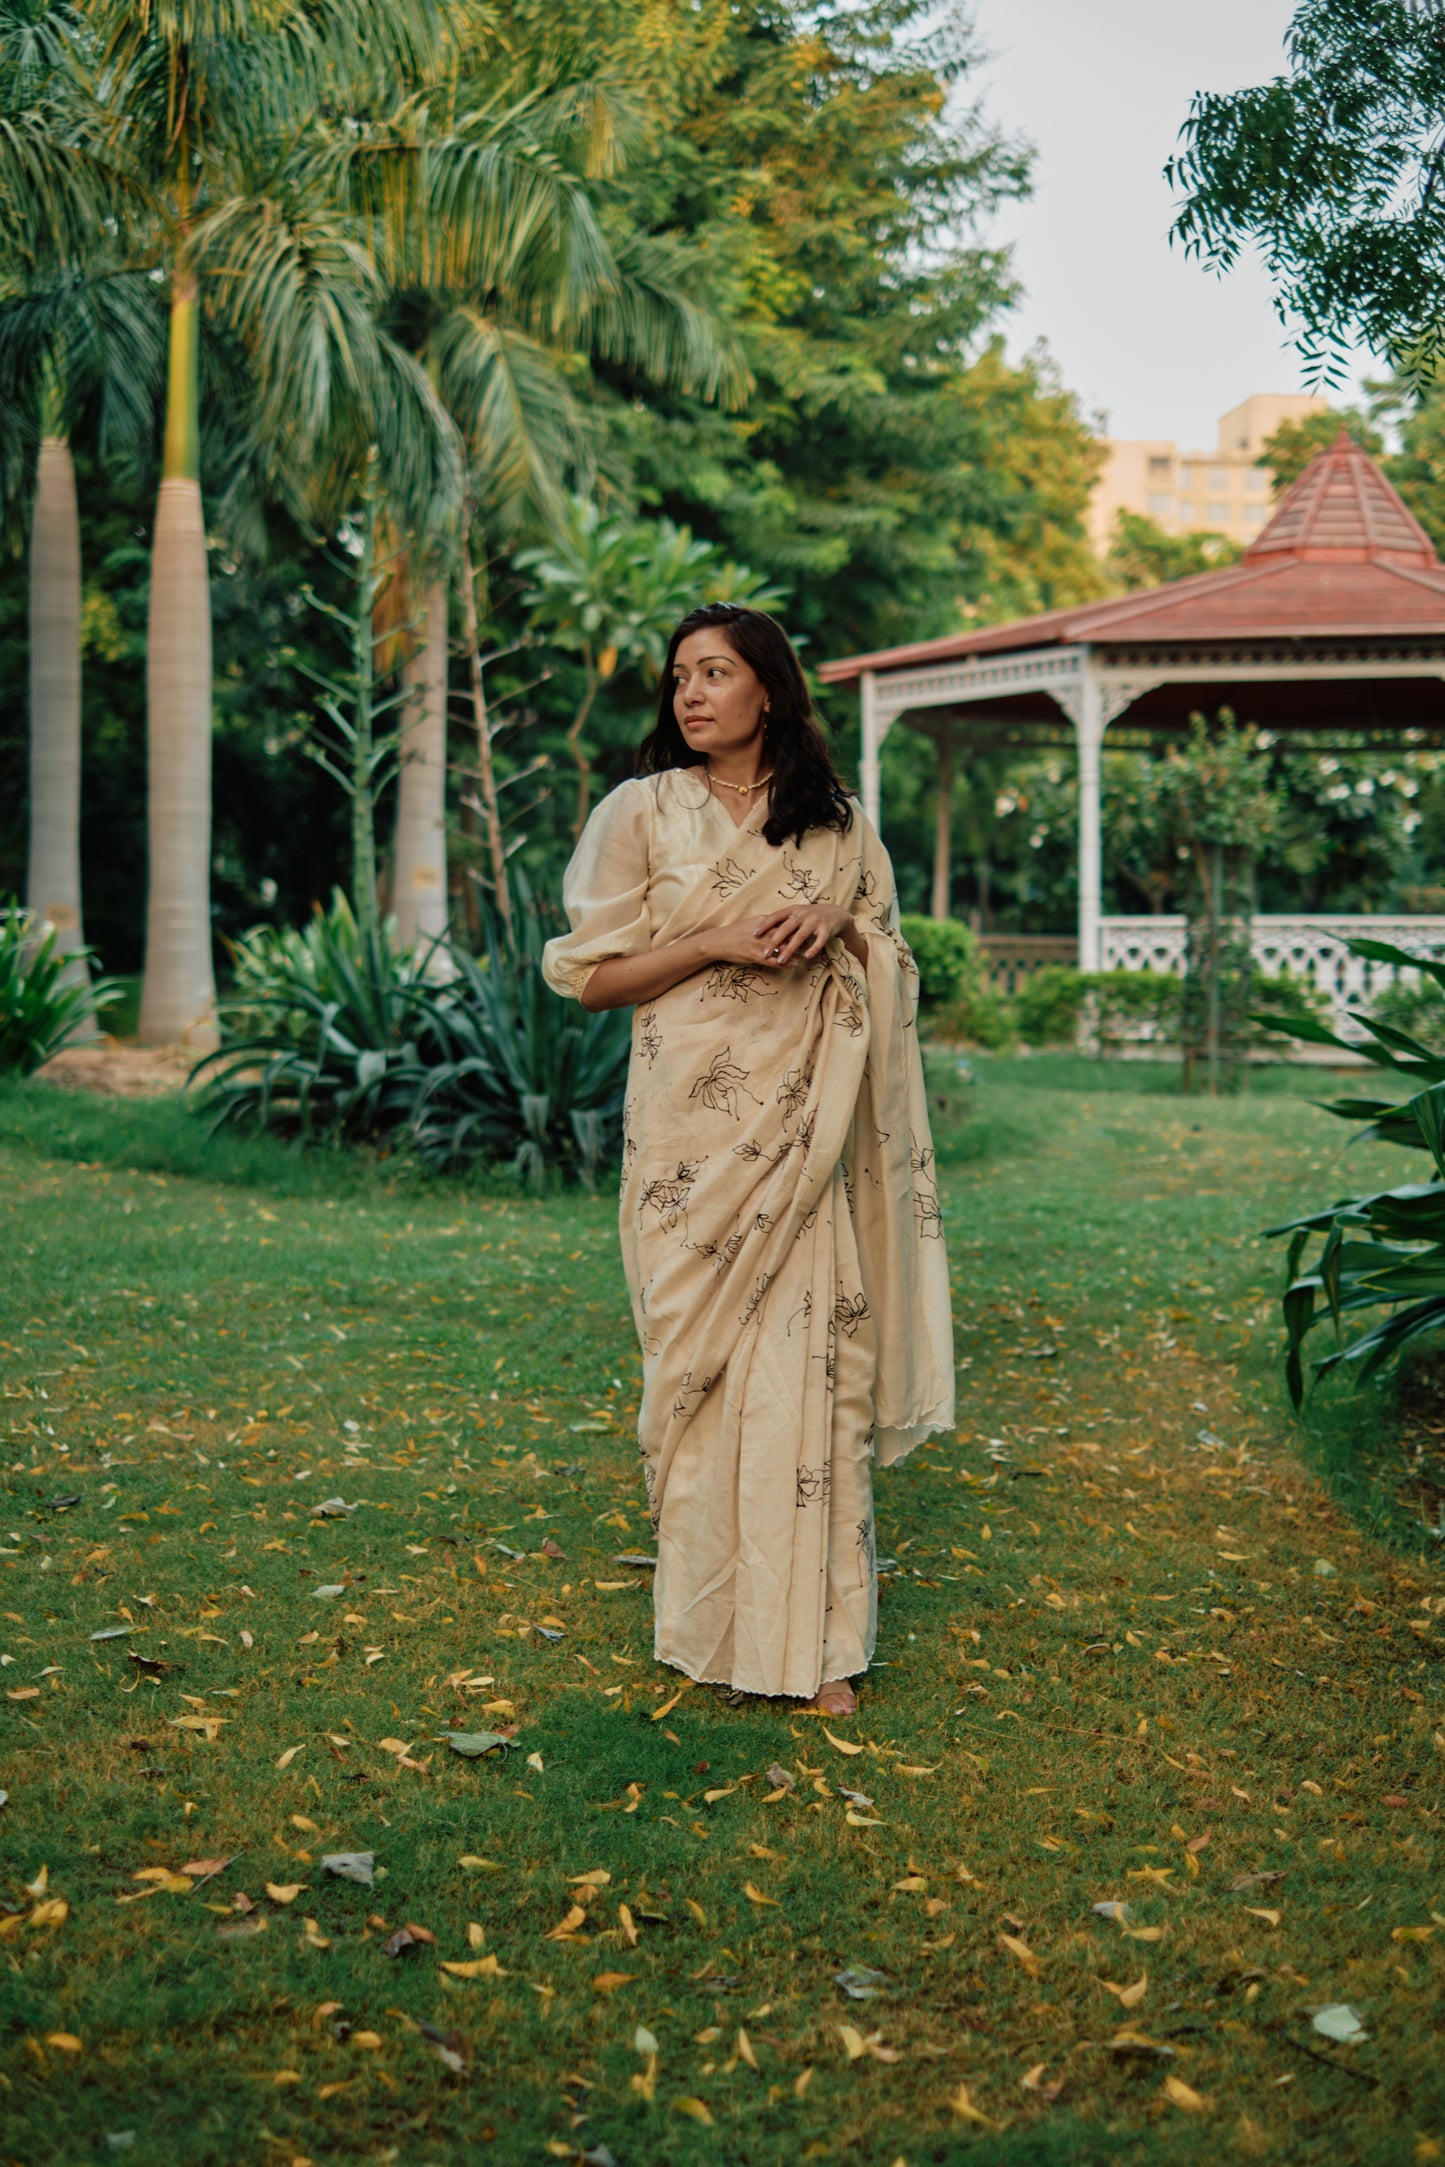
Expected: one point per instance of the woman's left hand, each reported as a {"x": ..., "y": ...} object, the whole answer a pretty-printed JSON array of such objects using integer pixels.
[{"x": 803, "y": 931}]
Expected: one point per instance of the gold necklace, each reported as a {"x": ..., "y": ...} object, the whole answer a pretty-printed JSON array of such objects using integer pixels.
[{"x": 743, "y": 789}]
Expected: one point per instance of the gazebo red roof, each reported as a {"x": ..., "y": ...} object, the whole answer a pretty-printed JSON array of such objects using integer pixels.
[{"x": 1342, "y": 558}]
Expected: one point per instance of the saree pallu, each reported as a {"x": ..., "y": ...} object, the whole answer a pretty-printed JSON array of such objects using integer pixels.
[{"x": 781, "y": 1231}]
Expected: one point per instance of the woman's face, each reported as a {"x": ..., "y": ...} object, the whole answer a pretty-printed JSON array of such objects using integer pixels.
[{"x": 719, "y": 700}]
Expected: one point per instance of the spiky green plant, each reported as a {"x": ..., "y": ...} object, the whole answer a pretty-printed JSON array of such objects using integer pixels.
[
  {"x": 40, "y": 1009},
  {"x": 1385, "y": 1250}
]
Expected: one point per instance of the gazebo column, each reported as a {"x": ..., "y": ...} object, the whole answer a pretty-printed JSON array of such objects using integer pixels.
[
  {"x": 1089, "y": 736},
  {"x": 943, "y": 825},
  {"x": 870, "y": 777}
]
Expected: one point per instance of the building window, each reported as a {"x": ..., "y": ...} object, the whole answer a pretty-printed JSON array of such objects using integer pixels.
[
  {"x": 1219, "y": 477},
  {"x": 1256, "y": 481},
  {"x": 1160, "y": 468},
  {"x": 1160, "y": 505},
  {"x": 1219, "y": 515}
]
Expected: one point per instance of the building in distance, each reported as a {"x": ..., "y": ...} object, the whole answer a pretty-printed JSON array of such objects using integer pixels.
[{"x": 1222, "y": 491}]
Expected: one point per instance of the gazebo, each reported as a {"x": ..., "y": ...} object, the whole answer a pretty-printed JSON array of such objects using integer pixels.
[{"x": 1332, "y": 623}]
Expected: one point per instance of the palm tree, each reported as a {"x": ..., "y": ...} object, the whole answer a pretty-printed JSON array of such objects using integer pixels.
[
  {"x": 201, "y": 97},
  {"x": 77, "y": 339},
  {"x": 480, "y": 199}
]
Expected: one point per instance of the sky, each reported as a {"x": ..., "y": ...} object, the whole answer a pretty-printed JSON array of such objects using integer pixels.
[{"x": 1158, "y": 345}]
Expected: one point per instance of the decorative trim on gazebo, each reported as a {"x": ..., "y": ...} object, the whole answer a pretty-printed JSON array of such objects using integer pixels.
[{"x": 1333, "y": 619}]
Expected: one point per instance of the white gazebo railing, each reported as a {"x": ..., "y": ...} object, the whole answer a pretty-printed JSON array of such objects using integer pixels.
[{"x": 1313, "y": 948}]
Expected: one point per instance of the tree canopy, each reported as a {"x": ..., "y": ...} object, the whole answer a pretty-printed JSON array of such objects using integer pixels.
[{"x": 1335, "y": 171}]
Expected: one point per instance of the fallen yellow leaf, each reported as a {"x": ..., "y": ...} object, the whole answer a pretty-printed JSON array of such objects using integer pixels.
[
  {"x": 964, "y": 2107},
  {"x": 854, "y": 2045},
  {"x": 53, "y": 1912},
  {"x": 607, "y": 1982},
  {"x": 1184, "y": 2095},
  {"x": 628, "y": 1924},
  {"x": 64, "y": 2042},
  {"x": 369, "y": 2040},
  {"x": 285, "y": 1892},
  {"x": 476, "y": 1935},
  {"x": 1129, "y": 1997},
  {"x": 567, "y": 1927},
  {"x": 694, "y": 2107},
  {"x": 656, "y": 1717},
  {"x": 1270, "y": 1918},
  {"x": 285, "y": 1759},
  {"x": 477, "y": 1967},
  {"x": 756, "y": 1896},
  {"x": 844, "y": 1745},
  {"x": 1021, "y": 1950},
  {"x": 744, "y": 2049}
]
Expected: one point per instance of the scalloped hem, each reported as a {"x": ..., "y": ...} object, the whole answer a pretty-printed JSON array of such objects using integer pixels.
[{"x": 758, "y": 1692}]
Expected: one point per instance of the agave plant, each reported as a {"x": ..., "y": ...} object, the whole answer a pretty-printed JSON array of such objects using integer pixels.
[
  {"x": 509, "y": 1071},
  {"x": 1385, "y": 1250},
  {"x": 320, "y": 1031},
  {"x": 335, "y": 1032},
  {"x": 44, "y": 1004}
]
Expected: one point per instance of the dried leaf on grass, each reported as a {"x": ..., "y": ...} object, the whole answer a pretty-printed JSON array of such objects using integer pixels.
[
  {"x": 473, "y": 1744},
  {"x": 1184, "y": 2096},
  {"x": 1033, "y": 2081},
  {"x": 351, "y": 1866},
  {"x": 965, "y": 2109},
  {"x": 1338, "y": 2020},
  {"x": 407, "y": 1939},
  {"x": 844, "y": 1745}
]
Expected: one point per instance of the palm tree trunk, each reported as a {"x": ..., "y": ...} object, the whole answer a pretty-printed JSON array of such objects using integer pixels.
[
  {"x": 52, "y": 889},
  {"x": 178, "y": 998},
  {"x": 419, "y": 881}
]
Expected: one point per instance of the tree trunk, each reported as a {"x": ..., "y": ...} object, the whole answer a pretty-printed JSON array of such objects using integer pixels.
[
  {"x": 178, "y": 999},
  {"x": 52, "y": 889},
  {"x": 419, "y": 877},
  {"x": 486, "y": 768}
]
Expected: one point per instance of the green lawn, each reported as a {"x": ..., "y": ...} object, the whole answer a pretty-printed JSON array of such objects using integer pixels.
[{"x": 1145, "y": 1637}]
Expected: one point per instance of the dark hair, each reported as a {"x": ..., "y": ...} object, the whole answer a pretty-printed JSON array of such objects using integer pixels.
[{"x": 807, "y": 791}]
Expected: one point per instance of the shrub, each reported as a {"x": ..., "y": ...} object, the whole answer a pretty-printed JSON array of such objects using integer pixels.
[
  {"x": 1414, "y": 1006},
  {"x": 44, "y": 1001},
  {"x": 1287, "y": 997},
  {"x": 507, "y": 1070},
  {"x": 320, "y": 1032},
  {"x": 1385, "y": 1250},
  {"x": 335, "y": 1034},
  {"x": 1048, "y": 1004},
  {"x": 946, "y": 952}
]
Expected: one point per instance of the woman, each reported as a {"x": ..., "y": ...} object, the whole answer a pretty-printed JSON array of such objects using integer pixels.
[{"x": 780, "y": 1222}]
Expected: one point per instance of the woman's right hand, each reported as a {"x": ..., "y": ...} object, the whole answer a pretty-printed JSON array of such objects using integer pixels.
[{"x": 750, "y": 941}]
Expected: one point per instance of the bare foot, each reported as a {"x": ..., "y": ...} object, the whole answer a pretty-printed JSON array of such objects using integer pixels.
[{"x": 835, "y": 1697}]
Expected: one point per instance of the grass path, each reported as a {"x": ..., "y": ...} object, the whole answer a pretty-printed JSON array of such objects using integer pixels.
[{"x": 1145, "y": 1641}]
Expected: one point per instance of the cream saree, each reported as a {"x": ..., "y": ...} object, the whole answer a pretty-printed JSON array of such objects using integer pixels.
[{"x": 781, "y": 1232}]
